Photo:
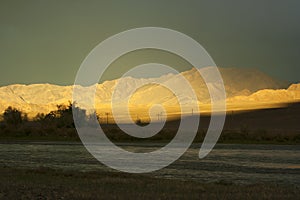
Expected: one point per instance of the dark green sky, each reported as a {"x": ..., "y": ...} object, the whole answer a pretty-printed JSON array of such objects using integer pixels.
[{"x": 45, "y": 41}]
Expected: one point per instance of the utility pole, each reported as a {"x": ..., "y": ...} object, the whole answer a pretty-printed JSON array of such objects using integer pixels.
[{"x": 106, "y": 117}]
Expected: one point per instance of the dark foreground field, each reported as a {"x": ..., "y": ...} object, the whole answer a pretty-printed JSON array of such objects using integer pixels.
[
  {"x": 44, "y": 183},
  {"x": 270, "y": 126}
]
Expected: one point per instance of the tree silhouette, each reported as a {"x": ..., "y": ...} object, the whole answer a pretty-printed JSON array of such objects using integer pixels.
[
  {"x": 63, "y": 116},
  {"x": 13, "y": 116}
]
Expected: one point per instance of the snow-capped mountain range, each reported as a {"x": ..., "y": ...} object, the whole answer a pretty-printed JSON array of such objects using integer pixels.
[{"x": 242, "y": 85}]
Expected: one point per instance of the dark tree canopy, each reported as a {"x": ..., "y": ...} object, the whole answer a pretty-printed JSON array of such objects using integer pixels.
[{"x": 13, "y": 116}]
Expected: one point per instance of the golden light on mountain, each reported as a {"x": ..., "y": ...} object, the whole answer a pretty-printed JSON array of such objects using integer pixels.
[{"x": 245, "y": 89}]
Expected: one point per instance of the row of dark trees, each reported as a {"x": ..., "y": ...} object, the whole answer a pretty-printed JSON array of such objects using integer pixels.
[
  {"x": 62, "y": 116},
  {"x": 12, "y": 116},
  {"x": 14, "y": 122},
  {"x": 59, "y": 122}
]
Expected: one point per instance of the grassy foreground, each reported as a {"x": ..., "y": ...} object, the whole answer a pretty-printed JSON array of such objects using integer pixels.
[{"x": 44, "y": 183}]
